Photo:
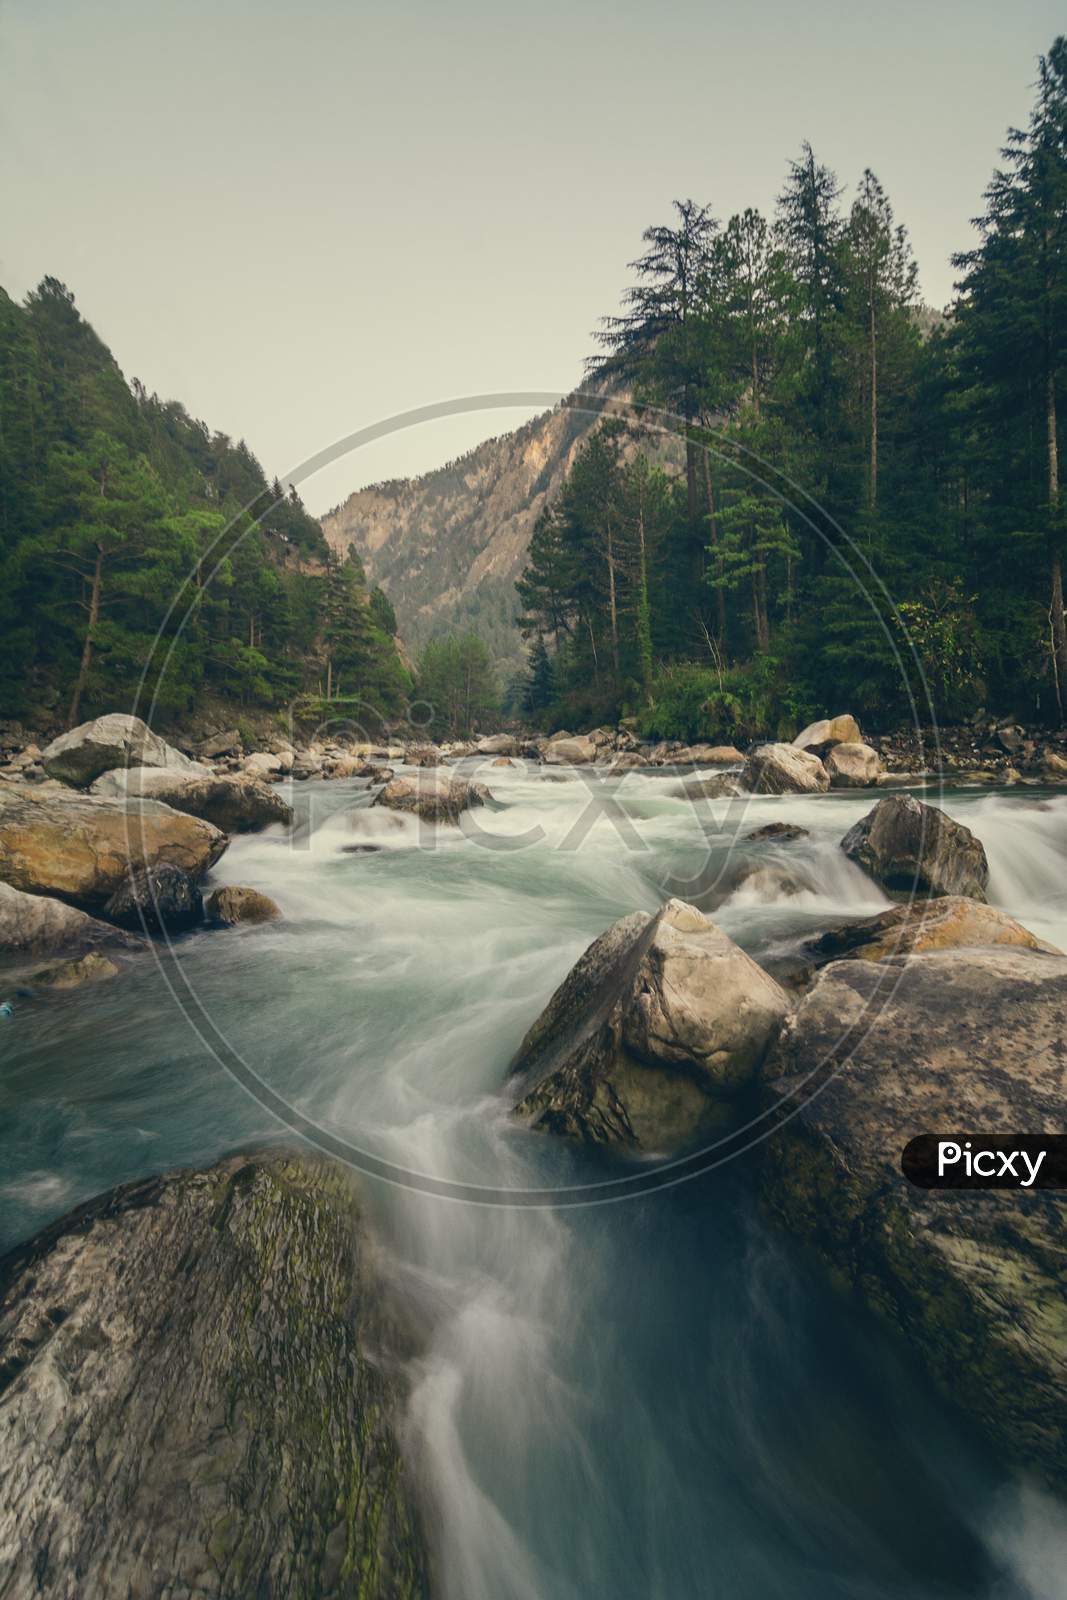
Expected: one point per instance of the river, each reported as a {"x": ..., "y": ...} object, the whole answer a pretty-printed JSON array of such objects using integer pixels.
[{"x": 652, "y": 1399}]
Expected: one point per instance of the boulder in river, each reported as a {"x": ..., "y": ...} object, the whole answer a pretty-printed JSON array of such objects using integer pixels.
[
  {"x": 780, "y": 832},
  {"x": 234, "y": 802},
  {"x": 116, "y": 740},
  {"x": 818, "y": 737},
  {"x": 912, "y": 848},
  {"x": 951, "y": 922},
  {"x": 497, "y": 744},
  {"x": 783, "y": 769},
  {"x": 81, "y": 847},
  {"x": 161, "y": 899},
  {"x": 962, "y": 1042},
  {"x": 433, "y": 796},
  {"x": 577, "y": 752},
  {"x": 234, "y": 904},
  {"x": 657, "y": 1027},
  {"x": 265, "y": 764},
  {"x": 709, "y": 755},
  {"x": 853, "y": 766},
  {"x": 91, "y": 968},
  {"x": 37, "y": 925},
  {"x": 198, "y": 1396},
  {"x": 724, "y": 785},
  {"x": 219, "y": 744}
]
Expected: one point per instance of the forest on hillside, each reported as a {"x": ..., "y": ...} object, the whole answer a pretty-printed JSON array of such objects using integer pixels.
[
  {"x": 839, "y": 437},
  {"x": 133, "y": 537}
]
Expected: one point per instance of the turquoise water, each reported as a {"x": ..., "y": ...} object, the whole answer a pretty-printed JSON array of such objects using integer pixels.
[{"x": 652, "y": 1398}]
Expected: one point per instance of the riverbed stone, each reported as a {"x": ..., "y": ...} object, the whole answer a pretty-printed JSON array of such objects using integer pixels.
[
  {"x": 80, "y": 847},
  {"x": 950, "y": 922},
  {"x": 912, "y": 848},
  {"x": 434, "y": 796},
  {"x": 199, "y": 1396},
  {"x": 660, "y": 1024},
  {"x": 577, "y": 752},
  {"x": 853, "y": 766},
  {"x": 38, "y": 925},
  {"x": 709, "y": 755},
  {"x": 234, "y": 903},
  {"x": 966, "y": 1041},
  {"x": 234, "y": 802},
  {"x": 116, "y": 740},
  {"x": 783, "y": 769},
  {"x": 821, "y": 736},
  {"x": 91, "y": 968},
  {"x": 159, "y": 899}
]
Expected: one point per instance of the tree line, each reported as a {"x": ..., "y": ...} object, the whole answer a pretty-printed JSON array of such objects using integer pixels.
[
  {"x": 129, "y": 531},
  {"x": 864, "y": 487}
]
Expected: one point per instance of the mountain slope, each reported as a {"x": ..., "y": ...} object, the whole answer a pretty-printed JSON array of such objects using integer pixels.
[{"x": 447, "y": 547}]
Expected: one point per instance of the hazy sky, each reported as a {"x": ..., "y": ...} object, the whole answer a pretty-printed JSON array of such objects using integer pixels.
[{"x": 299, "y": 219}]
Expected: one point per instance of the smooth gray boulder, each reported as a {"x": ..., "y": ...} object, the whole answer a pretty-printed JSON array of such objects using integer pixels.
[
  {"x": 965, "y": 1042},
  {"x": 853, "y": 766},
  {"x": 37, "y": 925},
  {"x": 912, "y": 848},
  {"x": 234, "y": 802},
  {"x": 433, "y": 796},
  {"x": 198, "y": 1397},
  {"x": 950, "y": 922},
  {"x": 116, "y": 740},
  {"x": 577, "y": 752},
  {"x": 821, "y": 736},
  {"x": 660, "y": 1024},
  {"x": 783, "y": 769}
]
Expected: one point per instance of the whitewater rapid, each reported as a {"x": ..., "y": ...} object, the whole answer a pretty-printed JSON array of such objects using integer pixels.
[{"x": 651, "y": 1398}]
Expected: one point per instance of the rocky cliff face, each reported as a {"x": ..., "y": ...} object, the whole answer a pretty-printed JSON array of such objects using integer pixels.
[{"x": 447, "y": 547}]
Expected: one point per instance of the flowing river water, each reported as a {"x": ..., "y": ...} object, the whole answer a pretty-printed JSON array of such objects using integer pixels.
[{"x": 654, "y": 1399}]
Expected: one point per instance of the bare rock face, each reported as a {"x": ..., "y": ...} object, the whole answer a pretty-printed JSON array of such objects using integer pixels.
[
  {"x": 116, "y": 740},
  {"x": 235, "y": 904},
  {"x": 818, "y": 737},
  {"x": 951, "y": 922},
  {"x": 81, "y": 847},
  {"x": 964, "y": 1041},
  {"x": 853, "y": 766},
  {"x": 912, "y": 848},
  {"x": 36, "y": 925},
  {"x": 433, "y": 796},
  {"x": 783, "y": 769},
  {"x": 659, "y": 1025},
  {"x": 236, "y": 803},
  {"x": 194, "y": 1398}
]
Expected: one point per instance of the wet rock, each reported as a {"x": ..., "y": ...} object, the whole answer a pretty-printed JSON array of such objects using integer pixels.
[
  {"x": 234, "y": 904},
  {"x": 198, "y": 1396},
  {"x": 113, "y": 741},
  {"x": 36, "y": 925},
  {"x": 709, "y": 755},
  {"x": 722, "y": 786},
  {"x": 781, "y": 832},
  {"x": 236, "y": 803},
  {"x": 783, "y": 769},
  {"x": 853, "y": 766},
  {"x": 967, "y": 1041},
  {"x": 770, "y": 880},
  {"x": 502, "y": 761},
  {"x": 498, "y": 744},
  {"x": 92, "y": 968},
  {"x": 263, "y": 764},
  {"x": 433, "y": 796},
  {"x": 79, "y": 847},
  {"x": 949, "y": 923},
  {"x": 912, "y": 848},
  {"x": 629, "y": 761},
  {"x": 659, "y": 1025},
  {"x": 160, "y": 899},
  {"x": 818, "y": 737},
  {"x": 570, "y": 752},
  {"x": 1053, "y": 764}
]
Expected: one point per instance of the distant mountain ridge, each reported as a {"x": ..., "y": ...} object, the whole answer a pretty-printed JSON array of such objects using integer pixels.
[{"x": 447, "y": 546}]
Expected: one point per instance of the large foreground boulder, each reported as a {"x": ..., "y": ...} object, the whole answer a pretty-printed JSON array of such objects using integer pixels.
[
  {"x": 912, "y": 848},
  {"x": 660, "y": 1024},
  {"x": 821, "y": 736},
  {"x": 853, "y": 766},
  {"x": 81, "y": 847},
  {"x": 434, "y": 796},
  {"x": 196, "y": 1397},
  {"x": 783, "y": 769},
  {"x": 160, "y": 899},
  {"x": 234, "y": 802},
  {"x": 961, "y": 1042},
  {"x": 116, "y": 740},
  {"x": 37, "y": 925},
  {"x": 952, "y": 922}
]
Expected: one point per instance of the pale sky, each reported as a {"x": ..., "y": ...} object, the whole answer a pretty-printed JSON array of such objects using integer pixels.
[{"x": 301, "y": 219}]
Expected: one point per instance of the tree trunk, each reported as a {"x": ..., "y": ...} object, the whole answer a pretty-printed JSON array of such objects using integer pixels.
[
  {"x": 329, "y": 678},
  {"x": 713, "y": 539},
  {"x": 873, "y": 485},
  {"x": 87, "y": 648},
  {"x": 613, "y": 605},
  {"x": 1059, "y": 631}
]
